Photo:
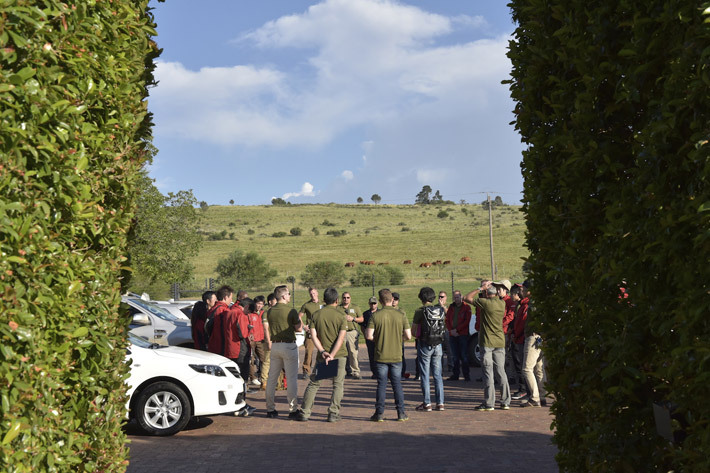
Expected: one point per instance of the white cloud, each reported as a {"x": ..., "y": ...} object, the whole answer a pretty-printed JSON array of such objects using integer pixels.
[
  {"x": 347, "y": 175},
  {"x": 430, "y": 177},
  {"x": 371, "y": 62},
  {"x": 306, "y": 191}
]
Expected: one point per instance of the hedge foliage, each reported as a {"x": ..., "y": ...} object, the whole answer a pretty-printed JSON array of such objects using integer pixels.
[
  {"x": 613, "y": 102},
  {"x": 73, "y": 125}
]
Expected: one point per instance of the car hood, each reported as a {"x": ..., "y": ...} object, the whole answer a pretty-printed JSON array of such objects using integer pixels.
[{"x": 188, "y": 355}]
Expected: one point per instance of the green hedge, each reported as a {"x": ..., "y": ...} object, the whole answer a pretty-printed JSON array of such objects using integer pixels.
[
  {"x": 72, "y": 130},
  {"x": 613, "y": 102}
]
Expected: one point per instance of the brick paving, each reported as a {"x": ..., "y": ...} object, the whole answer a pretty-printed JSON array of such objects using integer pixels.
[{"x": 457, "y": 439}]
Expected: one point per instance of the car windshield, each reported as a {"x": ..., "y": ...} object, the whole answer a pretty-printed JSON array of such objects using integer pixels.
[{"x": 155, "y": 309}]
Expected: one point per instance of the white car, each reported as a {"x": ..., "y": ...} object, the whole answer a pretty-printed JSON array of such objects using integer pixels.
[
  {"x": 180, "y": 309},
  {"x": 155, "y": 323},
  {"x": 170, "y": 385}
]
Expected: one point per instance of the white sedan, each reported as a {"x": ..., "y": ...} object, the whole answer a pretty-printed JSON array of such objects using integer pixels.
[{"x": 169, "y": 385}]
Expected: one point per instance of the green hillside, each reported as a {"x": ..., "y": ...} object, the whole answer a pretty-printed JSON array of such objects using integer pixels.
[{"x": 381, "y": 233}]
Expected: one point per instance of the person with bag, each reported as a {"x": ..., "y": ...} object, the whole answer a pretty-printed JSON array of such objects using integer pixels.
[
  {"x": 328, "y": 330},
  {"x": 429, "y": 328}
]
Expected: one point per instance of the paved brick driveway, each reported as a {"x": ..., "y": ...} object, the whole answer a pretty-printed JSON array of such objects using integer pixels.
[{"x": 456, "y": 440}]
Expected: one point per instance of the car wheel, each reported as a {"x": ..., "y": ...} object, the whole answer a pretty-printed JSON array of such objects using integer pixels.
[
  {"x": 162, "y": 408},
  {"x": 474, "y": 351}
]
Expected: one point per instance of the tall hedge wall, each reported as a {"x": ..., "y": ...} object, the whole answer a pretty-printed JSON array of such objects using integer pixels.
[
  {"x": 73, "y": 121},
  {"x": 613, "y": 102}
]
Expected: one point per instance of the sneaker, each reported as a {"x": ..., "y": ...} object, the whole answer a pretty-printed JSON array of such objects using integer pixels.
[
  {"x": 376, "y": 417},
  {"x": 295, "y": 414},
  {"x": 356, "y": 376},
  {"x": 519, "y": 395},
  {"x": 417, "y": 378},
  {"x": 272, "y": 414},
  {"x": 483, "y": 407},
  {"x": 402, "y": 416},
  {"x": 300, "y": 416},
  {"x": 530, "y": 403},
  {"x": 406, "y": 375},
  {"x": 333, "y": 417},
  {"x": 505, "y": 407},
  {"x": 543, "y": 402},
  {"x": 256, "y": 382},
  {"x": 439, "y": 407},
  {"x": 452, "y": 378},
  {"x": 423, "y": 407}
]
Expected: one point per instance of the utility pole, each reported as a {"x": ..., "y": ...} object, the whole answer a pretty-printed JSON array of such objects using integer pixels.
[{"x": 490, "y": 233}]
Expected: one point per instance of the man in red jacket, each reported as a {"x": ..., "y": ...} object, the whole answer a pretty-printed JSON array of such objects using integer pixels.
[
  {"x": 230, "y": 330},
  {"x": 457, "y": 319}
]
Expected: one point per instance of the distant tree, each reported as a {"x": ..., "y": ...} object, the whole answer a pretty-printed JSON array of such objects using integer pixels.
[
  {"x": 384, "y": 275},
  {"x": 437, "y": 198},
  {"x": 244, "y": 270},
  {"x": 204, "y": 205},
  {"x": 376, "y": 198},
  {"x": 323, "y": 274},
  {"x": 165, "y": 237},
  {"x": 423, "y": 196},
  {"x": 462, "y": 202},
  {"x": 231, "y": 201},
  {"x": 359, "y": 200},
  {"x": 497, "y": 202},
  {"x": 279, "y": 201}
]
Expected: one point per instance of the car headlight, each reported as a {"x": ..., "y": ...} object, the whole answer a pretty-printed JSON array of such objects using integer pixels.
[{"x": 213, "y": 370}]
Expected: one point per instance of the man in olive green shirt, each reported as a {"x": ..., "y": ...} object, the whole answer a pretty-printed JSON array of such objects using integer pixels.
[
  {"x": 280, "y": 329},
  {"x": 328, "y": 328},
  {"x": 354, "y": 317},
  {"x": 387, "y": 328},
  {"x": 491, "y": 339},
  {"x": 306, "y": 315}
]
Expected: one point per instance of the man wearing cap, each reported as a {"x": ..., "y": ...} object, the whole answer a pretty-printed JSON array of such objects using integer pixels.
[
  {"x": 369, "y": 343},
  {"x": 328, "y": 334},
  {"x": 306, "y": 315},
  {"x": 458, "y": 318},
  {"x": 354, "y": 317},
  {"x": 492, "y": 343}
]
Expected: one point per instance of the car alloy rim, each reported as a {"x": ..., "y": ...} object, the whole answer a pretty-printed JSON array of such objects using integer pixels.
[{"x": 162, "y": 410}]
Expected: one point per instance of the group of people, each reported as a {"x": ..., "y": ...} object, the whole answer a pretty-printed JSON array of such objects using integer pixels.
[{"x": 260, "y": 335}]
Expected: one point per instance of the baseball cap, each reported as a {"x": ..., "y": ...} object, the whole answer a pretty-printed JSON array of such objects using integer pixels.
[
  {"x": 504, "y": 282},
  {"x": 395, "y": 296},
  {"x": 373, "y": 300}
]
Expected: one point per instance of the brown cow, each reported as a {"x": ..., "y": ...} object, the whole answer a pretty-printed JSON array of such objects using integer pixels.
[
  {"x": 349, "y": 265},
  {"x": 447, "y": 262},
  {"x": 425, "y": 265},
  {"x": 465, "y": 258},
  {"x": 407, "y": 261}
]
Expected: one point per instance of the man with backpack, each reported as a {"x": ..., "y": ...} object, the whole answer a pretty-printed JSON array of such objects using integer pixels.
[{"x": 429, "y": 327}]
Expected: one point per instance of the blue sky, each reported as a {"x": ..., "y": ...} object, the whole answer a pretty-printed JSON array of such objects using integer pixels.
[{"x": 331, "y": 101}]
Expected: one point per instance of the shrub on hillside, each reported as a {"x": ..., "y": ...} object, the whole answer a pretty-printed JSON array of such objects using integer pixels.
[
  {"x": 296, "y": 231},
  {"x": 323, "y": 274},
  {"x": 279, "y": 234},
  {"x": 244, "y": 270}
]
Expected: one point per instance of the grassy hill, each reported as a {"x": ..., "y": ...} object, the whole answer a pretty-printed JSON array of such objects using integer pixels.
[{"x": 381, "y": 233}]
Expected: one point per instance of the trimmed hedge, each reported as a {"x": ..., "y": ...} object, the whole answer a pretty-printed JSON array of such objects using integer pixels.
[
  {"x": 613, "y": 101},
  {"x": 73, "y": 125}
]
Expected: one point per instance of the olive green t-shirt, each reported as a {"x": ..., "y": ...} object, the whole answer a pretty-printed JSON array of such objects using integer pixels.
[
  {"x": 353, "y": 311},
  {"x": 492, "y": 312},
  {"x": 310, "y": 308},
  {"x": 282, "y": 319},
  {"x": 389, "y": 324},
  {"x": 328, "y": 322}
]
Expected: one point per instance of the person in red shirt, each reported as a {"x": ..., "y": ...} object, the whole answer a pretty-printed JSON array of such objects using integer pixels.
[
  {"x": 521, "y": 315},
  {"x": 457, "y": 319},
  {"x": 229, "y": 330},
  {"x": 256, "y": 340}
]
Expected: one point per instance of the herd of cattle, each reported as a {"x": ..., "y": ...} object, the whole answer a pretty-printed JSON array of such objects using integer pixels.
[{"x": 351, "y": 264}]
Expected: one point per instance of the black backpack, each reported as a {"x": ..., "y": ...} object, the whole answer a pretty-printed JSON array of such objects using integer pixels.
[{"x": 433, "y": 326}]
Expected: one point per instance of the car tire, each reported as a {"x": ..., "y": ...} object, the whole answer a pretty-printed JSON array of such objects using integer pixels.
[
  {"x": 162, "y": 408},
  {"x": 474, "y": 351}
]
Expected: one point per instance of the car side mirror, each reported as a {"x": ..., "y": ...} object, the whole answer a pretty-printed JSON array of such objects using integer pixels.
[{"x": 141, "y": 319}]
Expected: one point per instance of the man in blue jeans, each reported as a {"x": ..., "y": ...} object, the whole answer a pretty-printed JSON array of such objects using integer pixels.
[
  {"x": 387, "y": 328},
  {"x": 428, "y": 325}
]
